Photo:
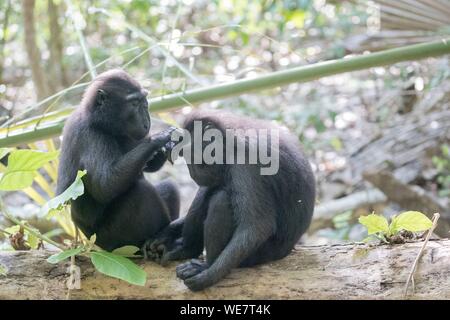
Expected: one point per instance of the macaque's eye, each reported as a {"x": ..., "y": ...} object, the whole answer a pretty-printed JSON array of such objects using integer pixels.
[{"x": 208, "y": 126}]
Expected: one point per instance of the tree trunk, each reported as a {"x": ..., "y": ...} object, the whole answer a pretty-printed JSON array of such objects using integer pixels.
[
  {"x": 34, "y": 56},
  {"x": 353, "y": 271},
  {"x": 58, "y": 70},
  {"x": 5, "y": 24}
]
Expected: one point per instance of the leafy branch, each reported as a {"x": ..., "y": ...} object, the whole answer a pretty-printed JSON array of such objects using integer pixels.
[
  {"x": 20, "y": 172},
  {"x": 31, "y": 230},
  {"x": 378, "y": 226}
]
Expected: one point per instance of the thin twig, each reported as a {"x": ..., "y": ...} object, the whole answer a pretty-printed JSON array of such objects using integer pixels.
[
  {"x": 151, "y": 41},
  {"x": 419, "y": 255},
  {"x": 30, "y": 229},
  {"x": 71, "y": 279}
]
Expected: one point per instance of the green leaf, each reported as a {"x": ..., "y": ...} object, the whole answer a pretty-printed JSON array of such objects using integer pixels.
[
  {"x": 64, "y": 255},
  {"x": 342, "y": 220},
  {"x": 413, "y": 221},
  {"x": 56, "y": 204},
  {"x": 3, "y": 270},
  {"x": 336, "y": 143},
  {"x": 297, "y": 17},
  {"x": 374, "y": 223},
  {"x": 118, "y": 267},
  {"x": 126, "y": 250},
  {"x": 32, "y": 240},
  {"x": 22, "y": 167},
  {"x": 13, "y": 229}
]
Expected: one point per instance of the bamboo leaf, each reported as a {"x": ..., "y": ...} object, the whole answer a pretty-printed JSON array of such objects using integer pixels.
[{"x": 22, "y": 167}]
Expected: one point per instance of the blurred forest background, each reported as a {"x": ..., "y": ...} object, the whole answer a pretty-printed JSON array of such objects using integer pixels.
[{"x": 378, "y": 139}]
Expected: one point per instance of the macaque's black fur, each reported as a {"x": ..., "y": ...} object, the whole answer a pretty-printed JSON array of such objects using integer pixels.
[
  {"x": 108, "y": 136},
  {"x": 242, "y": 218}
]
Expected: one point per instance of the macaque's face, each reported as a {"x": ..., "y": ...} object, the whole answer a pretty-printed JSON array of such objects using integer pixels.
[
  {"x": 202, "y": 173},
  {"x": 135, "y": 115},
  {"x": 121, "y": 106}
]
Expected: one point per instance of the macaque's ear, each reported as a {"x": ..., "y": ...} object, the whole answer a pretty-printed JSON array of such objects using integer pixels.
[{"x": 101, "y": 97}]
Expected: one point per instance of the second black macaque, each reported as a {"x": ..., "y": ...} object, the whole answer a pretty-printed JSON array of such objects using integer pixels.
[
  {"x": 108, "y": 135},
  {"x": 241, "y": 218}
]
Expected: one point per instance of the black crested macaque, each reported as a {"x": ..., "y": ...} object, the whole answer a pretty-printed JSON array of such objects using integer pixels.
[
  {"x": 241, "y": 218},
  {"x": 108, "y": 135}
]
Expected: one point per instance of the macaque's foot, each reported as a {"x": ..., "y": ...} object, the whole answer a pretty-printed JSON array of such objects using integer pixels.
[
  {"x": 164, "y": 249},
  {"x": 148, "y": 253},
  {"x": 201, "y": 281},
  {"x": 191, "y": 268}
]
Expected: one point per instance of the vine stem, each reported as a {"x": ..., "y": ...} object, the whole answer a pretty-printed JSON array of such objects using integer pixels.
[
  {"x": 419, "y": 255},
  {"x": 30, "y": 229}
]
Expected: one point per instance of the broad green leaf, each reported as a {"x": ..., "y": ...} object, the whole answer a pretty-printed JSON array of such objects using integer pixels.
[
  {"x": 118, "y": 267},
  {"x": 126, "y": 251},
  {"x": 22, "y": 167},
  {"x": 374, "y": 223},
  {"x": 56, "y": 204},
  {"x": 413, "y": 221},
  {"x": 64, "y": 255},
  {"x": 3, "y": 270}
]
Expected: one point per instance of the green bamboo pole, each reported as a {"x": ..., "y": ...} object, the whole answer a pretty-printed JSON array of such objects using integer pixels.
[
  {"x": 271, "y": 80},
  {"x": 302, "y": 74}
]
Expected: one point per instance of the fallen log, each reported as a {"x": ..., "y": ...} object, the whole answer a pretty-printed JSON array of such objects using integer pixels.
[{"x": 353, "y": 271}]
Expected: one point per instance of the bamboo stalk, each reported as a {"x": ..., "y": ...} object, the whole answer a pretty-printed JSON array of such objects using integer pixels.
[{"x": 272, "y": 80}]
